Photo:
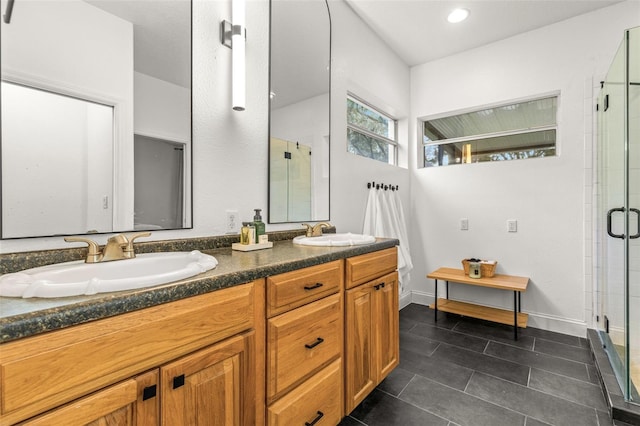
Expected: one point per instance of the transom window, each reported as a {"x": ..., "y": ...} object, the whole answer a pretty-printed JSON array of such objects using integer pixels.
[
  {"x": 507, "y": 132},
  {"x": 370, "y": 132}
]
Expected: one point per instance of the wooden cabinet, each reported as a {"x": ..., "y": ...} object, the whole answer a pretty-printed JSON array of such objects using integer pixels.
[
  {"x": 123, "y": 404},
  {"x": 209, "y": 387},
  {"x": 296, "y": 288},
  {"x": 294, "y": 348},
  {"x": 371, "y": 327},
  {"x": 219, "y": 333},
  {"x": 304, "y": 346},
  {"x": 316, "y": 401}
]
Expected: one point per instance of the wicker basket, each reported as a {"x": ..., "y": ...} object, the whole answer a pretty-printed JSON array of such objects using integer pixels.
[{"x": 487, "y": 270}]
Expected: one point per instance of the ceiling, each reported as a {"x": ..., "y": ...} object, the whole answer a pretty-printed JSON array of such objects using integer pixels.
[{"x": 418, "y": 30}]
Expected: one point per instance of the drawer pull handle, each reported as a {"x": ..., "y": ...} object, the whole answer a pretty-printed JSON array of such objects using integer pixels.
[
  {"x": 178, "y": 381},
  {"x": 149, "y": 392},
  {"x": 379, "y": 286},
  {"x": 313, "y": 287},
  {"x": 314, "y": 344},
  {"x": 316, "y": 420}
]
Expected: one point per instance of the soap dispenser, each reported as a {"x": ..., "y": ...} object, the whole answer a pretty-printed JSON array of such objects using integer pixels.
[{"x": 258, "y": 223}]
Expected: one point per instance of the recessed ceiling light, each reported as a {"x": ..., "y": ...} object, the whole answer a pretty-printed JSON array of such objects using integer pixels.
[{"x": 458, "y": 15}]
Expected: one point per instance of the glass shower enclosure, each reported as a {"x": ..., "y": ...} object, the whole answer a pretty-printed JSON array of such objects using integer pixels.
[{"x": 618, "y": 213}]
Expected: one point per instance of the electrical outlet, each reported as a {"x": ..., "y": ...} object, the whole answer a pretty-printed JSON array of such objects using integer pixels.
[
  {"x": 512, "y": 225},
  {"x": 233, "y": 225},
  {"x": 464, "y": 224}
]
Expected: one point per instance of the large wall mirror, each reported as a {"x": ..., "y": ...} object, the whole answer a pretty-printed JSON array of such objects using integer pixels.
[
  {"x": 96, "y": 116},
  {"x": 299, "y": 113}
]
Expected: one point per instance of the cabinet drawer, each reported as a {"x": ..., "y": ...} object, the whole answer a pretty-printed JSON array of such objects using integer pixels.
[
  {"x": 317, "y": 398},
  {"x": 366, "y": 267},
  {"x": 302, "y": 341},
  {"x": 296, "y": 288},
  {"x": 42, "y": 372}
]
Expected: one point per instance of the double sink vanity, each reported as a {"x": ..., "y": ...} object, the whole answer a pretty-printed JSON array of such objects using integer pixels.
[{"x": 295, "y": 334}]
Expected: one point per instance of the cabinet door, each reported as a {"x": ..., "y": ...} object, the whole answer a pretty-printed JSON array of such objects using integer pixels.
[
  {"x": 359, "y": 345},
  {"x": 209, "y": 387},
  {"x": 372, "y": 343},
  {"x": 122, "y": 404},
  {"x": 387, "y": 325}
]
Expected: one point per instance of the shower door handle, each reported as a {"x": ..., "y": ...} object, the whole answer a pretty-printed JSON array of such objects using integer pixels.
[
  {"x": 637, "y": 234},
  {"x": 609, "y": 213}
]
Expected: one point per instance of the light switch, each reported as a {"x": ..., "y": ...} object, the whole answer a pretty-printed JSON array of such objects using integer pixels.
[
  {"x": 512, "y": 225},
  {"x": 464, "y": 224}
]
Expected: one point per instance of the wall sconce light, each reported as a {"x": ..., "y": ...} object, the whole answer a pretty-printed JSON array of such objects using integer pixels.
[
  {"x": 7, "y": 16},
  {"x": 233, "y": 35}
]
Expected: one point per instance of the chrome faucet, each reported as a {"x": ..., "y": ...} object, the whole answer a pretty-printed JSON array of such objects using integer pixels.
[
  {"x": 118, "y": 247},
  {"x": 316, "y": 230}
]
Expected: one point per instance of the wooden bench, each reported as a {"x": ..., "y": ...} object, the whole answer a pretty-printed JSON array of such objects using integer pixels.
[{"x": 498, "y": 281}]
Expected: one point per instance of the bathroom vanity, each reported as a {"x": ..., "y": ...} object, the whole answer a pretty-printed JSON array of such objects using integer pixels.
[{"x": 292, "y": 334}]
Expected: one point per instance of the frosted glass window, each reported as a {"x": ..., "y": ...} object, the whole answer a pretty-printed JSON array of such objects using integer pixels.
[{"x": 506, "y": 132}]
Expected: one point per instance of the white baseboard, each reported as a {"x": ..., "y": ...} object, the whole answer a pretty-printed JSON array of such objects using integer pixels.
[
  {"x": 405, "y": 299},
  {"x": 543, "y": 321}
]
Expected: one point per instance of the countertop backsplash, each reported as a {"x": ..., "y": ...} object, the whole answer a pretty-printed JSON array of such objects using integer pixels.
[{"x": 14, "y": 262}]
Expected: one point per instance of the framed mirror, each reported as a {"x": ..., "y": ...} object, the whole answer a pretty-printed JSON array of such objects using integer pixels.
[
  {"x": 300, "y": 74},
  {"x": 96, "y": 116}
]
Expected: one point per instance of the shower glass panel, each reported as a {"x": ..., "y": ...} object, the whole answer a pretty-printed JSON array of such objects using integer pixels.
[
  {"x": 618, "y": 194},
  {"x": 633, "y": 183},
  {"x": 291, "y": 182}
]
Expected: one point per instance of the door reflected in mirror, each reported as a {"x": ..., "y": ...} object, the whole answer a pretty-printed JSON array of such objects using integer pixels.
[
  {"x": 79, "y": 79},
  {"x": 299, "y": 113}
]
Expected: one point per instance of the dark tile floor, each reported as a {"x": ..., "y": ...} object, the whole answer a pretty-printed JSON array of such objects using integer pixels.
[{"x": 467, "y": 372}]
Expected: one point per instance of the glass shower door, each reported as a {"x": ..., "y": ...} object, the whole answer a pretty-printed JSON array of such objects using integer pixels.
[
  {"x": 633, "y": 195},
  {"x": 618, "y": 213},
  {"x": 611, "y": 169}
]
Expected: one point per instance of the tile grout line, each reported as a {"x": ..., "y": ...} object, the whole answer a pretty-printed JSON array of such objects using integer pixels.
[
  {"x": 539, "y": 368},
  {"x": 405, "y": 386},
  {"x": 532, "y": 389},
  {"x": 530, "y": 368},
  {"x": 473, "y": 372},
  {"x": 497, "y": 357},
  {"x": 414, "y": 405}
]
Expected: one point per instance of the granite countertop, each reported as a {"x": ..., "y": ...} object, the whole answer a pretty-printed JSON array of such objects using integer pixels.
[{"x": 21, "y": 318}]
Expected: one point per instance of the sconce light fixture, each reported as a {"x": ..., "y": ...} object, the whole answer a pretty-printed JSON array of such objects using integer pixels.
[
  {"x": 7, "y": 16},
  {"x": 233, "y": 35}
]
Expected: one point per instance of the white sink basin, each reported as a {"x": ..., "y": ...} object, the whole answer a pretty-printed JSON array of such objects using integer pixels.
[
  {"x": 335, "y": 240},
  {"x": 78, "y": 278}
]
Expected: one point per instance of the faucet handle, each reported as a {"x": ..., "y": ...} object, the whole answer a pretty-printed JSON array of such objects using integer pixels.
[
  {"x": 309, "y": 229},
  {"x": 93, "y": 255},
  {"x": 128, "y": 250}
]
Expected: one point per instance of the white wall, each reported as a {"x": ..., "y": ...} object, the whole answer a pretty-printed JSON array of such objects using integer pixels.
[
  {"x": 549, "y": 197},
  {"x": 50, "y": 134},
  {"x": 162, "y": 109},
  {"x": 364, "y": 65}
]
